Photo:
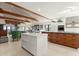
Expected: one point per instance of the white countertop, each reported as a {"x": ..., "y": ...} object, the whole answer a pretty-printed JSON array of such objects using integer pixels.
[
  {"x": 34, "y": 34},
  {"x": 64, "y": 32}
]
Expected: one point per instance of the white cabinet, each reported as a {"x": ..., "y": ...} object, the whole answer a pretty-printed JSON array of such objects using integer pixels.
[
  {"x": 54, "y": 27},
  {"x": 36, "y": 44}
]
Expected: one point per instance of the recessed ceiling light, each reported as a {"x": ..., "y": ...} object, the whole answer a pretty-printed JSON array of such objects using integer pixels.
[
  {"x": 64, "y": 11},
  {"x": 69, "y": 9},
  {"x": 38, "y": 9}
]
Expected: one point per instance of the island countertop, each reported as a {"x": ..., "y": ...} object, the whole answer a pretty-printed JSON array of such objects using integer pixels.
[
  {"x": 35, "y": 43},
  {"x": 34, "y": 34},
  {"x": 61, "y": 32}
]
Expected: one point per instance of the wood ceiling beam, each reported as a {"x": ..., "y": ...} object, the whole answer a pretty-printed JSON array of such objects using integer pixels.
[
  {"x": 14, "y": 19},
  {"x": 13, "y": 4},
  {"x": 15, "y": 14},
  {"x": 12, "y": 22}
]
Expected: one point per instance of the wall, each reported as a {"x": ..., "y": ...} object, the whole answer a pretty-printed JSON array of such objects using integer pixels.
[
  {"x": 70, "y": 14},
  {"x": 54, "y": 26}
]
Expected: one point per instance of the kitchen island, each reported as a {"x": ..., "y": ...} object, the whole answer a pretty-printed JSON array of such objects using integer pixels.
[
  {"x": 35, "y": 43},
  {"x": 64, "y": 38}
]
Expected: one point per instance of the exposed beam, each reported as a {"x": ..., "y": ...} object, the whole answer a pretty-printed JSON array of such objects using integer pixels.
[
  {"x": 13, "y": 19},
  {"x": 26, "y": 9},
  {"x": 12, "y": 22},
  {"x": 15, "y": 14}
]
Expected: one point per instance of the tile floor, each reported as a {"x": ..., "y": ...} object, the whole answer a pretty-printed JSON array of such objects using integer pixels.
[
  {"x": 60, "y": 50},
  {"x": 14, "y": 49}
]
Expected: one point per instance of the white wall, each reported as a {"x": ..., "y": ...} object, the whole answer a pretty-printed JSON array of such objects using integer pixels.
[{"x": 54, "y": 26}]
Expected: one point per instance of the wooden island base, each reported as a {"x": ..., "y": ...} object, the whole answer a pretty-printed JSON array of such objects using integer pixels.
[{"x": 67, "y": 39}]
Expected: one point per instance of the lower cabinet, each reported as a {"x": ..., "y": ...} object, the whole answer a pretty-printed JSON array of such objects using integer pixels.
[{"x": 66, "y": 39}]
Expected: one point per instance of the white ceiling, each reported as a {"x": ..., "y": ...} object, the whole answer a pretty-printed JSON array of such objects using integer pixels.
[{"x": 48, "y": 9}]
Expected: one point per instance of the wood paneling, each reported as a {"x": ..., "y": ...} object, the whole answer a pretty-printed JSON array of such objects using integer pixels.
[
  {"x": 67, "y": 39},
  {"x": 12, "y": 22},
  {"x": 9, "y": 18}
]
